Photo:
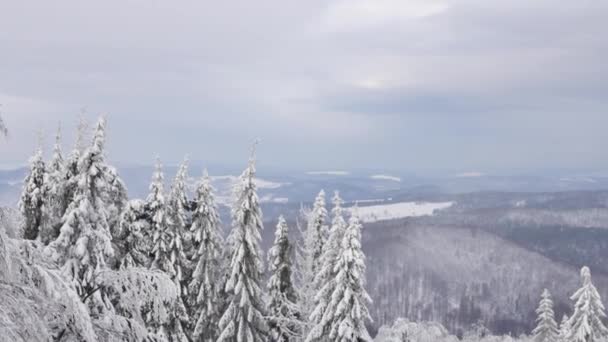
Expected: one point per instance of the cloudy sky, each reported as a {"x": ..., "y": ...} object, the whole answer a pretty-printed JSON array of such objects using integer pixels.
[{"x": 400, "y": 84}]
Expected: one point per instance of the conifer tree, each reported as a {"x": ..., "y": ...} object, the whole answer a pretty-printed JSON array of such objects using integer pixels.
[
  {"x": 131, "y": 236},
  {"x": 159, "y": 223},
  {"x": 55, "y": 187},
  {"x": 32, "y": 202},
  {"x": 346, "y": 313},
  {"x": 84, "y": 242},
  {"x": 205, "y": 287},
  {"x": 586, "y": 322},
  {"x": 564, "y": 330},
  {"x": 243, "y": 320},
  {"x": 325, "y": 278},
  {"x": 318, "y": 230},
  {"x": 161, "y": 251},
  {"x": 71, "y": 165},
  {"x": 3, "y": 128},
  {"x": 177, "y": 217},
  {"x": 546, "y": 329},
  {"x": 116, "y": 198},
  {"x": 282, "y": 307}
]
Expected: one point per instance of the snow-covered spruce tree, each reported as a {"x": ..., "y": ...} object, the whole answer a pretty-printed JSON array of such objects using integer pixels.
[
  {"x": 156, "y": 208},
  {"x": 318, "y": 229},
  {"x": 116, "y": 199},
  {"x": 71, "y": 165},
  {"x": 131, "y": 241},
  {"x": 283, "y": 312},
  {"x": 586, "y": 322},
  {"x": 84, "y": 241},
  {"x": 3, "y": 129},
  {"x": 206, "y": 300},
  {"x": 162, "y": 238},
  {"x": 177, "y": 218},
  {"x": 55, "y": 187},
  {"x": 564, "y": 330},
  {"x": 310, "y": 253},
  {"x": 546, "y": 329},
  {"x": 325, "y": 278},
  {"x": 346, "y": 313},
  {"x": 243, "y": 320},
  {"x": 33, "y": 198}
]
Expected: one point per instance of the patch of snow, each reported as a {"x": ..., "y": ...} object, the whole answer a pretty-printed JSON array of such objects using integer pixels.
[
  {"x": 392, "y": 211},
  {"x": 328, "y": 173},
  {"x": 261, "y": 183},
  {"x": 378, "y": 200},
  {"x": 578, "y": 179},
  {"x": 386, "y": 177},
  {"x": 470, "y": 174},
  {"x": 271, "y": 199}
]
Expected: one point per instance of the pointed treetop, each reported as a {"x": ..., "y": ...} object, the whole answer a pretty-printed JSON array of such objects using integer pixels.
[
  {"x": 3, "y": 129},
  {"x": 83, "y": 127},
  {"x": 99, "y": 139},
  {"x": 252, "y": 156},
  {"x": 205, "y": 174},
  {"x": 586, "y": 275},
  {"x": 58, "y": 133},
  {"x": 158, "y": 171}
]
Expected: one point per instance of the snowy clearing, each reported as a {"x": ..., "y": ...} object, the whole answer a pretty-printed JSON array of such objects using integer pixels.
[
  {"x": 392, "y": 211},
  {"x": 328, "y": 173},
  {"x": 386, "y": 177},
  {"x": 471, "y": 174}
]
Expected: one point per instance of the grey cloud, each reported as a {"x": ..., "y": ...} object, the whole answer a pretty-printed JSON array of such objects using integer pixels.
[{"x": 314, "y": 77}]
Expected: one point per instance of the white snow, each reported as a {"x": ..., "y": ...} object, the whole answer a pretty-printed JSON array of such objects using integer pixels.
[
  {"x": 470, "y": 174},
  {"x": 386, "y": 177},
  {"x": 328, "y": 173},
  {"x": 261, "y": 183},
  {"x": 392, "y": 211},
  {"x": 271, "y": 199}
]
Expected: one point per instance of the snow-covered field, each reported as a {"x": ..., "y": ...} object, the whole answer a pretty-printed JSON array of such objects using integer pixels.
[
  {"x": 328, "y": 173},
  {"x": 392, "y": 211},
  {"x": 386, "y": 177}
]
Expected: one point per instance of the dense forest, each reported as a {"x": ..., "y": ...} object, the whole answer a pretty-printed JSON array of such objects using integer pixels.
[{"x": 84, "y": 262}]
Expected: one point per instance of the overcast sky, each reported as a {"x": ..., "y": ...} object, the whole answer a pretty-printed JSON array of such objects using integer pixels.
[{"x": 399, "y": 84}]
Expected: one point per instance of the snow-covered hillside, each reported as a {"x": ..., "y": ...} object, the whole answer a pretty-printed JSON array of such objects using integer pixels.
[{"x": 393, "y": 211}]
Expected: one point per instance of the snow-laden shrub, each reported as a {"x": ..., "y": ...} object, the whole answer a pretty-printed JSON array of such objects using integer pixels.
[
  {"x": 37, "y": 300},
  {"x": 147, "y": 297},
  {"x": 405, "y": 331}
]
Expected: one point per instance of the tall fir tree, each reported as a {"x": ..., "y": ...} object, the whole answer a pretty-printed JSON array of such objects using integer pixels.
[
  {"x": 564, "y": 330},
  {"x": 161, "y": 252},
  {"x": 116, "y": 198},
  {"x": 33, "y": 198},
  {"x": 586, "y": 322},
  {"x": 84, "y": 242},
  {"x": 131, "y": 239},
  {"x": 546, "y": 329},
  {"x": 325, "y": 278},
  {"x": 160, "y": 237},
  {"x": 55, "y": 187},
  {"x": 310, "y": 253},
  {"x": 206, "y": 287},
  {"x": 178, "y": 216},
  {"x": 346, "y": 313},
  {"x": 243, "y": 320},
  {"x": 318, "y": 229},
  {"x": 284, "y": 314},
  {"x": 71, "y": 164}
]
